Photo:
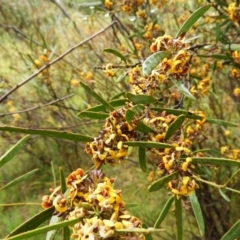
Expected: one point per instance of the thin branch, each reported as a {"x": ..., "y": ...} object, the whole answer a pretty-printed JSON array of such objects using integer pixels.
[
  {"x": 25, "y": 37},
  {"x": 37, "y": 107},
  {"x": 2, "y": 98},
  {"x": 59, "y": 5},
  {"x": 120, "y": 66}
]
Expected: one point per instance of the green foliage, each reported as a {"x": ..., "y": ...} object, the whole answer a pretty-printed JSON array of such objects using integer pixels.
[{"x": 176, "y": 100}]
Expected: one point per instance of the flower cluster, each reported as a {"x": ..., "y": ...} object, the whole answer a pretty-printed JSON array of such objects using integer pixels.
[
  {"x": 178, "y": 157},
  {"x": 202, "y": 87},
  {"x": 232, "y": 153},
  {"x": 176, "y": 66},
  {"x": 109, "y": 146},
  {"x": 234, "y": 12},
  {"x": 99, "y": 207}
]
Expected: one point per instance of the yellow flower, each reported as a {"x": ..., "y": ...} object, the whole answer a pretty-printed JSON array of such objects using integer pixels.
[
  {"x": 74, "y": 83},
  {"x": 185, "y": 188},
  {"x": 186, "y": 164},
  {"x": 108, "y": 4},
  {"x": 236, "y": 92}
]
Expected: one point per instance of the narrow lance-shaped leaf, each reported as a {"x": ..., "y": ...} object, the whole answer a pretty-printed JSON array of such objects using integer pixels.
[
  {"x": 45, "y": 229},
  {"x": 233, "y": 232},
  {"x": 62, "y": 180},
  {"x": 129, "y": 115},
  {"x": 153, "y": 60},
  {"x": 19, "y": 179},
  {"x": 178, "y": 213},
  {"x": 93, "y": 115},
  {"x": 174, "y": 126},
  {"x": 224, "y": 195},
  {"x": 66, "y": 233},
  {"x": 197, "y": 212},
  {"x": 178, "y": 112},
  {"x": 180, "y": 86},
  {"x": 146, "y": 144},
  {"x": 48, "y": 133},
  {"x": 216, "y": 161},
  {"x": 149, "y": 235},
  {"x": 96, "y": 96},
  {"x": 192, "y": 19},
  {"x": 161, "y": 182},
  {"x": 33, "y": 222},
  {"x": 142, "y": 159},
  {"x": 143, "y": 128},
  {"x": 140, "y": 98},
  {"x": 13, "y": 151},
  {"x": 51, "y": 234},
  {"x": 232, "y": 47},
  {"x": 221, "y": 122},
  {"x": 100, "y": 107},
  {"x": 121, "y": 77},
  {"x": 116, "y": 53},
  {"x": 139, "y": 230},
  {"x": 164, "y": 212}
]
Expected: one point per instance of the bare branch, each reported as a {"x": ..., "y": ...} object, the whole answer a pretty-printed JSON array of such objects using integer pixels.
[
  {"x": 25, "y": 37},
  {"x": 37, "y": 107},
  {"x": 59, "y": 5},
  {"x": 2, "y": 98}
]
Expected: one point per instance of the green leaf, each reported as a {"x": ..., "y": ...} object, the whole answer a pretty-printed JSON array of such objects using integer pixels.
[
  {"x": 232, "y": 47},
  {"x": 54, "y": 220},
  {"x": 49, "y": 133},
  {"x": 140, "y": 98},
  {"x": 192, "y": 19},
  {"x": 216, "y": 161},
  {"x": 221, "y": 122},
  {"x": 148, "y": 236},
  {"x": 139, "y": 108},
  {"x": 121, "y": 77},
  {"x": 62, "y": 180},
  {"x": 224, "y": 195},
  {"x": 153, "y": 60},
  {"x": 180, "y": 86},
  {"x": 19, "y": 179},
  {"x": 12, "y": 151},
  {"x": 99, "y": 108},
  {"x": 142, "y": 159},
  {"x": 161, "y": 182},
  {"x": 143, "y": 128},
  {"x": 164, "y": 212},
  {"x": 178, "y": 112},
  {"x": 93, "y": 115},
  {"x": 233, "y": 232},
  {"x": 116, "y": 53},
  {"x": 178, "y": 212},
  {"x": 117, "y": 96},
  {"x": 129, "y": 115},
  {"x": 97, "y": 97},
  {"x": 90, "y": 3},
  {"x": 139, "y": 230},
  {"x": 175, "y": 126},
  {"x": 33, "y": 222},
  {"x": 66, "y": 233},
  {"x": 45, "y": 229},
  {"x": 197, "y": 212},
  {"x": 146, "y": 144}
]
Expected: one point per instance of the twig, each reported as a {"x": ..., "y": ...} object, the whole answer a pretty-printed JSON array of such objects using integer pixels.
[
  {"x": 59, "y": 5},
  {"x": 2, "y": 98},
  {"x": 25, "y": 37},
  {"x": 120, "y": 66},
  {"x": 39, "y": 106}
]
